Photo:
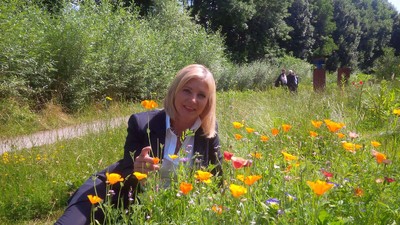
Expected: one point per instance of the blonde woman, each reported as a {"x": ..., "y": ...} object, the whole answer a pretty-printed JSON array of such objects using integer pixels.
[{"x": 190, "y": 104}]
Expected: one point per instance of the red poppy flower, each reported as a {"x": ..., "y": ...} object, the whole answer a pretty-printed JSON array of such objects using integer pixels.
[
  {"x": 239, "y": 162},
  {"x": 389, "y": 180},
  {"x": 327, "y": 174},
  {"x": 228, "y": 155}
]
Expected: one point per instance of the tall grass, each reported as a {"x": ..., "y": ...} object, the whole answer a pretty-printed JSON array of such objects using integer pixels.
[{"x": 37, "y": 182}]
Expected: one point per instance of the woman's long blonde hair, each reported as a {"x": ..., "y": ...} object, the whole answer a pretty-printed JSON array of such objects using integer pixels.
[{"x": 195, "y": 71}]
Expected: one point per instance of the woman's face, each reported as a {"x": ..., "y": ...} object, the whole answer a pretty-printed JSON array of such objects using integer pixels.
[{"x": 191, "y": 100}]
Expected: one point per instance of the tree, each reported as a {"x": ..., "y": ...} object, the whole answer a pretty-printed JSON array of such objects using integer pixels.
[
  {"x": 303, "y": 32},
  {"x": 324, "y": 26},
  {"x": 394, "y": 41},
  {"x": 348, "y": 32}
]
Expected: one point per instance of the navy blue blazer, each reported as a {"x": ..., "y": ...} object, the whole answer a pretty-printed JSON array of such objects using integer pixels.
[
  {"x": 208, "y": 149},
  {"x": 78, "y": 210}
]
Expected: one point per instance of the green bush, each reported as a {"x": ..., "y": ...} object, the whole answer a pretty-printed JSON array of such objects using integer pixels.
[
  {"x": 81, "y": 56},
  {"x": 25, "y": 57}
]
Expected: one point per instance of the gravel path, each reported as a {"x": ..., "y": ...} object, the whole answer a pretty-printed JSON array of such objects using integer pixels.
[{"x": 52, "y": 136}]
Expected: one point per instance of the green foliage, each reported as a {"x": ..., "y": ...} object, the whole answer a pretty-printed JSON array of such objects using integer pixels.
[
  {"x": 387, "y": 66},
  {"x": 81, "y": 56},
  {"x": 261, "y": 75},
  {"x": 26, "y": 57},
  {"x": 16, "y": 118}
]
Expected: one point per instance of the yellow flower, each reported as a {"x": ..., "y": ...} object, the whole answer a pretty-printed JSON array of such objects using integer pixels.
[
  {"x": 286, "y": 127},
  {"x": 238, "y": 137},
  {"x": 320, "y": 187},
  {"x": 375, "y": 144},
  {"x": 185, "y": 187},
  {"x": 289, "y": 157},
  {"x": 316, "y": 123},
  {"x": 249, "y": 130},
  {"x": 313, "y": 134},
  {"x": 113, "y": 178},
  {"x": 256, "y": 155},
  {"x": 108, "y": 98},
  {"x": 173, "y": 157},
  {"x": 203, "y": 176},
  {"x": 94, "y": 199},
  {"x": 237, "y": 125},
  {"x": 351, "y": 147},
  {"x": 264, "y": 138},
  {"x": 240, "y": 177},
  {"x": 396, "y": 112},
  {"x": 140, "y": 176},
  {"x": 237, "y": 190},
  {"x": 274, "y": 131},
  {"x": 149, "y": 104},
  {"x": 249, "y": 180}
]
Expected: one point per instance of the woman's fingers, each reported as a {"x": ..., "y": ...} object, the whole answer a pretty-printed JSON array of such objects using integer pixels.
[{"x": 144, "y": 163}]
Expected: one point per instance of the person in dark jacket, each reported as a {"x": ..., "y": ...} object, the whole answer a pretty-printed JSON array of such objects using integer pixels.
[
  {"x": 281, "y": 80},
  {"x": 189, "y": 104},
  {"x": 292, "y": 81}
]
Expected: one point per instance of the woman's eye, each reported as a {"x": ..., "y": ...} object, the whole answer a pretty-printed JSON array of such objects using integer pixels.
[
  {"x": 202, "y": 95},
  {"x": 186, "y": 91}
]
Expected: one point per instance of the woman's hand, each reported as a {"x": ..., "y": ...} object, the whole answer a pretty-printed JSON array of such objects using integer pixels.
[{"x": 144, "y": 163}]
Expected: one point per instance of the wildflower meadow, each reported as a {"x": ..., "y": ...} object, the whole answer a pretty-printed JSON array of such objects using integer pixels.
[{"x": 308, "y": 158}]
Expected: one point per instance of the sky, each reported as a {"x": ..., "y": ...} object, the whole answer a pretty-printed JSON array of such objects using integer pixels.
[{"x": 396, "y": 4}]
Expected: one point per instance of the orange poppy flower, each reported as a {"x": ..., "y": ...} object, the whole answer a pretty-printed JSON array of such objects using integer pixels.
[
  {"x": 313, "y": 134},
  {"x": 316, "y": 124},
  {"x": 238, "y": 137},
  {"x": 94, "y": 199},
  {"x": 333, "y": 126},
  {"x": 358, "y": 192},
  {"x": 250, "y": 180},
  {"x": 140, "y": 176},
  {"x": 256, "y": 155},
  {"x": 375, "y": 144},
  {"x": 185, "y": 187},
  {"x": 156, "y": 160},
  {"x": 340, "y": 135},
  {"x": 217, "y": 209},
  {"x": 249, "y": 130},
  {"x": 286, "y": 127},
  {"x": 380, "y": 157},
  {"x": 113, "y": 178},
  {"x": 319, "y": 187},
  {"x": 149, "y": 104},
  {"x": 264, "y": 138},
  {"x": 274, "y": 131}
]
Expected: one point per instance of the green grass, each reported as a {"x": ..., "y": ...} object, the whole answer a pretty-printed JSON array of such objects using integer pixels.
[
  {"x": 36, "y": 183},
  {"x": 17, "y": 119}
]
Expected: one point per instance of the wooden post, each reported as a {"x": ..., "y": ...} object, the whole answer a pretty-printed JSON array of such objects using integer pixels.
[{"x": 319, "y": 79}]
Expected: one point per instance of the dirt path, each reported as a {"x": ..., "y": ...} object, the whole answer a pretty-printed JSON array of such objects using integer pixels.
[{"x": 52, "y": 136}]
